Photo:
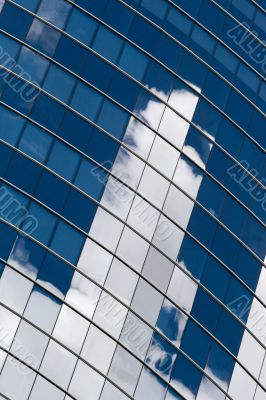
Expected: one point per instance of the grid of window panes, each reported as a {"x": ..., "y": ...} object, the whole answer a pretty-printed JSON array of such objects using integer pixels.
[{"x": 132, "y": 132}]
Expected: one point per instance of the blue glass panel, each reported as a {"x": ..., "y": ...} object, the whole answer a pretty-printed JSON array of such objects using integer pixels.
[
  {"x": 201, "y": 226},
  {"x": 9, "y": 46},
  {"x": 59, "y": 83},
  {"x": 191, "y": 8},
  {"x": 158, "y": 80},
  {"x": 216, "y": 90},
  {"x": 229, "y": 332},
  {"x": 236, "y": 103},
  {"x": 79, "y": 210},
  {"x": 216, "y": 278},
  {"x": 107, "y": 43},
  {"x": 46, "y": 222},
  {"x": 8, "y": 236},
  {"x": 231, "y": 245},
  {"x": 81, "y": 26},
  {"x": 9, "y": 14},
  {"x": 207, "y": 117},
  {"x": 247, "y": 268},
  {"x": 168, "y": 52},
  {"x": 113, "y": 119},
  {"x": 48, "y": 112},
  {"x": 86, "y": 101},
  {"x": 67, "y": 242},
  {"x": 90, "y": 179},
  {"x": 56, "y": 162},
  {"x": 11, "y": 125},
  {"x": 229, "y": 137},
  {"x": 196, "y": 343},
  {"x": 54, "y": 12},
  {"x": 118, "y": 16},
  {"x": 29, "y": 4},
  {"x": 192, "y": 70},
  {"x": 186, "y": 377},
  {"x": 16, "y": 99},
  {"x": 52, "y": 191},
  {"x": 101, "y": 147},
  {"x": 70, "y": 54},
  {"x": 144, "y": 34},
  {"x": 43, "y": 37},
  {"x": 75, "y": 130},
  {"x": 94, "y": 6},
  {"x": 133, "y": 61},
  {"x": 35, "y": 142},
  {"x": 192, "y": 256},
  {"x": 32, "y": 64},
  {"x": 211, "y": 196},
  {"x": 155, "y": 11},
  {"x": 221, "y": 365},
  {"x": 206, "y": 310},
  {"x": 5, "y": 156},
  {"x": 233, "y": 215},
  {"x": 239, "y": 300},
  {"x": 97, "y": 72},
  {"x": 124, "y": 91},
  {"x": 23, "y": 173}
]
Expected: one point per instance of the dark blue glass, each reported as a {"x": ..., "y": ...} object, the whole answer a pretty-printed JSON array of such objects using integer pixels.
[
  {"x": 206, "y": 310},
  {"x": 229, "y": 332},
  {"x": 196, "y": 343},
  {"x": 79, "y": 210},
  {"x": 97, "y": 72},
  {"x": 5, "y": 156},
  {"x": 9, "y": 14},
  {"x": 187, "y": 374},
  {"x": 216, "y": 278},
  {"x": 101, "y": 147},
  {"x": 23, "y": 173},
  {"x": 67, "y": 242},
  {"x": 192, "y": 256},
  {"x": 70, "y": 54},
  {"x": 144, "y": 34},
  {"x": 118, "y": 16},
  {"x": 48, "y": 112},
  {"x": 75, "y": 130},
  {"x": 8, "y": 236},
  {"x": 52, "y": 191},
  {"x": 221, "y": 364}
]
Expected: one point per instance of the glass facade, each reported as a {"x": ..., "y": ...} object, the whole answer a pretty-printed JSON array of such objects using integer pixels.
[{"x": 132, "y": 200}]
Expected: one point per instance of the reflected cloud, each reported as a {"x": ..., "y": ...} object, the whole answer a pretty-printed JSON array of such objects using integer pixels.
[
  {"x": 187, "y": 178},
  {"x": 184, "y": 101},
  {"x": 20, "y": 257},
  {"x": 83, "y": 295}
]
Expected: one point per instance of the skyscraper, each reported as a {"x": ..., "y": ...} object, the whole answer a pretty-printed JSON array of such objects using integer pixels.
[{"x": 132, "y": 200}]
